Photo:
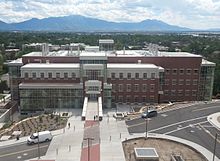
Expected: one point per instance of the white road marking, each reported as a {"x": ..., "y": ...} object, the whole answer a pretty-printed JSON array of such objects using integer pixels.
[
  {"x": 181, "y": 122},
  {"x": 25, "y": 154},
  {"x": 178, "y": 129},
  {"x": 180, "y": 125},
  {"x": 205, "y": 108},
  {"x": 192, "y": 131},
  {"x": 19, "y": 157},
  {"x": 164, "y": 115}
]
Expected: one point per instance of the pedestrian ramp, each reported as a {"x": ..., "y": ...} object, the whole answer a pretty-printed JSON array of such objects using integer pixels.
[{"x": 92, "y": 109}]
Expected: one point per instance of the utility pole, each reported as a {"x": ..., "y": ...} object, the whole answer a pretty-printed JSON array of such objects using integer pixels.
[
  {"x": 216, "y": 137},
  {"x": 88, "y": 141}
]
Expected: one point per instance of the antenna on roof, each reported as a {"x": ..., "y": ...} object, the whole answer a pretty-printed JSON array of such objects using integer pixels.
[{"x": 124, "y": 50}]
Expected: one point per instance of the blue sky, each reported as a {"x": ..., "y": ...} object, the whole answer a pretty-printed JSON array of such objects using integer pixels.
[{"x": 197, "y": 14}]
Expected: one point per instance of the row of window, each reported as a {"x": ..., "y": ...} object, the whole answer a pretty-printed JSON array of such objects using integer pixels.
[
  {"x": 134, "y": 88},
  {"x": 50, "y": 75},
  {"x": 136, "y": 76},
  {"x": 136, "y": 98},
  {"x": 182, "y": 71},
  {"x": 180, "y": 92},
  {"x": 181, "y": 82}
]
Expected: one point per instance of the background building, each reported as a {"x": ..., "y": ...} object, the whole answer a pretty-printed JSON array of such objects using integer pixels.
[{"x": 45, "y": 80}]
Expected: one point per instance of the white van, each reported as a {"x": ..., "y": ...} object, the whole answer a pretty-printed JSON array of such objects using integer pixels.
[{"x": 43, "y": 136}]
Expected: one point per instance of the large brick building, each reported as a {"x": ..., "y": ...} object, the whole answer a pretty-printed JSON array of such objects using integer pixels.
[{"x": 44, "y": 80}]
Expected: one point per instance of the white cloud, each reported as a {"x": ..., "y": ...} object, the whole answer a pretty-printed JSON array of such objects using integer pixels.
[{"x": 188, "y": 13}]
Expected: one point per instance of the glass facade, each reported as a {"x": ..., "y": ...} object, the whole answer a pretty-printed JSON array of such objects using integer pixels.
[
  {"x": 40, "y": 99},
  {"x": 206, "y": 83}
]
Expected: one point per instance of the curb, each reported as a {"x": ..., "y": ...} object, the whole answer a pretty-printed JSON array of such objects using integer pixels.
[{"x": 214, "y": 117}]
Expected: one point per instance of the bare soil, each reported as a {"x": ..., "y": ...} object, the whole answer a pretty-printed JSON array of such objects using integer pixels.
[{"x": 164, "y": 148}]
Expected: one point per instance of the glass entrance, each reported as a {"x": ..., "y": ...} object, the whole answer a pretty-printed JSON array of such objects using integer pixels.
[{"x": 93, "y": 97}]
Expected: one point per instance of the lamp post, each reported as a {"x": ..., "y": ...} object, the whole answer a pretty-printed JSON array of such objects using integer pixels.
[
  {"x": 38, "y": 144},
  {"x": 88, "y": 141},
  {"x": 146, "y": 122},
  {"x": 216, "y": 137}
]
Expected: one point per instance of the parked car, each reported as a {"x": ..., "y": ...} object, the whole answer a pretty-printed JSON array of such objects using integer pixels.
[
  {"x": 43, "y": 137},
  {"x": 119, "y": 115},
  {"x": 149, "y": 113}
]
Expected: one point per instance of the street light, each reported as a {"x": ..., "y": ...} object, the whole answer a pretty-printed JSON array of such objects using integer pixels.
[
  {"x": 38, "y": 144},
  {"x": 88, "y": 141},
  {"x": 216, "y": 137},
  {"x": 146, "y": 122}
]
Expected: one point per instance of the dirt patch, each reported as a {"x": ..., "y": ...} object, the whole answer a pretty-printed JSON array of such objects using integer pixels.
[
  {"x": 34, "y": 124},
  {"x": 164, "y": 148}
]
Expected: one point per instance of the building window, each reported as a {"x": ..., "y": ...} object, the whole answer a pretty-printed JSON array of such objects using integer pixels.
[
  {"x": 180, "y": 92},
  {"x": 25, "y": 75},
  {"x": 41, "y": 75},
  {"x": 195, "y": 82},
  {"x": 135, "y": 98},
  {"x": 120, "y": 86},
  {"x": 152, "y": 87},
  {"x": 57, "y": 75},
  {"x": 113, "y": 75},
  {"x": 188, "y": 71},
  {"x": 120, "y": 75},
  {"x": 166, "y": 92},
  {"x": 153, "y": 75},
  {"x": 128, "y": 87},
  {"x": 196, "y": 71},
  {"x": 136, "y": 87},
  {"x": 144, "y": 99},
  {"x": 151, "y": 98},
  {"x": 173, "y": 92},
  {"x": 144, "y": 88},
  {"x": 167, "y": 81},
  {"x": 129, "y": 75},
  {"x": 145, "y": 75},
  {"x": 174, "y": 71},
  {"x": 173, "y": 82},
  {"x": 188, "y": 82},
  {"x": 34, "y": 75},
  {"x": 136, "y": 75},
  {"x": 187, "y": 92},
  {"x": 120, "y": 98},
  {"x": 167, "y": 71},
  {"x": 50, "y": 75},
  {"x": 65, "y": 75},
  {"x": 181, "y": 71},
  {"x": 181, "y": 82},
  {"x": 74, "y": 75},
  {"x": 194, "y": 92},
  {"x": 128, "y": 98}
]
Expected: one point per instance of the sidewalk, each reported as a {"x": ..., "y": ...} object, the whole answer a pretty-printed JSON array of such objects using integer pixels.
[{"x": 214, "y": 119}]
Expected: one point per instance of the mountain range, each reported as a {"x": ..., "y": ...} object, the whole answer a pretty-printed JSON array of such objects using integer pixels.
[{"x": 77, "y": 23}]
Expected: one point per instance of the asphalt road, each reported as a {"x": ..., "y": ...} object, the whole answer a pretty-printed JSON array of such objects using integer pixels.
[
  {"x": 188, "y": 123},
  {"x": 22, "y": 151}
]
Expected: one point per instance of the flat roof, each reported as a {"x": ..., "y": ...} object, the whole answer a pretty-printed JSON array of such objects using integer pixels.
[
  {"x": 112, "y": 65},
  {"x": 16, "y": 62},
  {"x": 51, "y": 85},
  {"x": 118, "y": 53},
  {"x": 207, "y": 63},
  {"x": 50, "y": 65},
  {"x": 106, "y": 41}
]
